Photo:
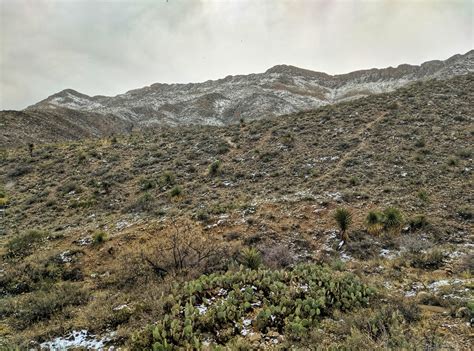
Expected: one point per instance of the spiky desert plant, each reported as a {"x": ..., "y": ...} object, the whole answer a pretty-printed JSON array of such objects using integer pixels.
[
  {"x": 393, "y": 220},
  {"x": 343, "y": 219},
  {"x": 215, "y": 168},
  {"x": 250, "y": 258},
  {"x": 374, "y": 222}
]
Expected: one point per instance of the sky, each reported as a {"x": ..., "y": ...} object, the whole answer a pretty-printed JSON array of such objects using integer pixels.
[{"x": 107, "y": 47}]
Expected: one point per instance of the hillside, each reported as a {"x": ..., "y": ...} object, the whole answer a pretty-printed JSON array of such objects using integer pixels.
[
  {"x": 282, "y": 89},
  {"x": 97, "y": 232}
]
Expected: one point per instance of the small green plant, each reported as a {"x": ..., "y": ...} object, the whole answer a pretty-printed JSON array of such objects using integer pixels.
[
  {"x": 343, "y": 219},
  {"x": 250, "y": 258},
  {"x": 466, "y": 213},
  {"x": 374, "y": 222},
  {"x": 3, "y": 201},
  {"x": 423, "y": 196},
  {"x": 453, "y": 161},
  {"x": 144, "y": 203},
  {"x": 176, "y": 191},
  {"x": 418, "y": 222},
  {"x": 215, "y": 168},
  {"x": 393, "y": 220},
  {"x": 420, "y": 143},
  {"x": 147, "y": 184},
  {"x": 25, "y": 243},
  {"x": 99, "y": 237},
  {"x": 168, "y": 178},
  {"x": 353, "y": 181}
]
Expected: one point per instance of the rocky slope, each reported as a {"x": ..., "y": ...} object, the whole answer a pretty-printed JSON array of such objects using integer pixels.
[
  {"x": 88, "y": 224},
  {"x": 280, "y": 90},
  {"x": 70, "y": 115}
]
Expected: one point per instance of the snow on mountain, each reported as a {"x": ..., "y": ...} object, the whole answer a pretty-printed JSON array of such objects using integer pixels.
[{"x": 280, "y": 90}]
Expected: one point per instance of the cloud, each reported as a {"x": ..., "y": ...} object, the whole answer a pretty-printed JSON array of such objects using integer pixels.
[{"x": 108, "y": 47}]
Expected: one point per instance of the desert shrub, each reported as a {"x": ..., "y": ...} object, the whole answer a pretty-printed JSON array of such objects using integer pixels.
[
  {"x": 214, "y": 306},
  {"x": 202, "y": 215},
  {"x": 167, "y": 179},
  {"x": 362, "y": 246},
  {"x": 42, "y": 305},
  {"x": 467, "y": 264},
  {"x": 418, "y": 222},
  {"x": 393, "y": 220},
  {"x": 415, "y": 244},
  {"x": 186, "y": 247},
  {"x": 423, "y": 196},
  {"x": 3, "y": 201},
  {"x": 176, "y": 191},
  {"x": 24, "y": 244},
  {"x": 144, "y": 203},
  {"x": 374, "y": 222},
  {"x": 353, "y": 181},
  {"x": 250, "y": 258},
  {"x": 453, "y": 161},
  {"x": 420, "y": 142},
  {"x": 276, "y": 257},
  {"x": 70, "y": 187},
  {"x": 36, "y": 274},
  {"x": 99, "y": 237},
  {"x": 147, "y": 184},
  {"x": 432, "y": 259},
  {"x": 19, "y": 171},
  {"x": 343, "y": 220},
  {"x": 222, "y": 148},
  {"x": 465, "y": 153},
  {"x": 465, "y": 213},
  {"x": 215, "y": 168}
]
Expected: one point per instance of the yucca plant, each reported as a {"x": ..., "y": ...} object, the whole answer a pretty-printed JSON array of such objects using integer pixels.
[
  {"x": 250, "y": 258},
  {"x": 393, "y": 220},
  {"x": 343, "y": 219},
  {"x": 374, "y": 222},
  {"x": 215, "y": 167}
]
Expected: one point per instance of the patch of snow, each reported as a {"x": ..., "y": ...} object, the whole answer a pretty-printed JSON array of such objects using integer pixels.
[{"x": 76, "y": 339}]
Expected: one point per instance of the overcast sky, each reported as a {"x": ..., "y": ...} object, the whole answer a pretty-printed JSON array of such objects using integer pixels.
[{"x": 107, "y": 47}]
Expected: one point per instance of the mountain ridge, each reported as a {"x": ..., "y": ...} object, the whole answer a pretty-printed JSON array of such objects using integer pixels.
[{"x": 280, "y": 90}]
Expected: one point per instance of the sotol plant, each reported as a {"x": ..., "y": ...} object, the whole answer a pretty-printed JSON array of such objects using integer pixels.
[
  {"x": 343, "y": 219},
  {"x": 250, "y": 258},
  {"x": 393, "y": 220},
  {"x": 374, "y": 222}
]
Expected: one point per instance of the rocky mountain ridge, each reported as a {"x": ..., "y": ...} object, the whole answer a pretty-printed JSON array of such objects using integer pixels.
[{"x": 280, "y": 90}]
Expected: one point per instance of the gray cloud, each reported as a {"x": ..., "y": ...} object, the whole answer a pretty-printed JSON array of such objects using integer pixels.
[{"x": 108, "y": 47}]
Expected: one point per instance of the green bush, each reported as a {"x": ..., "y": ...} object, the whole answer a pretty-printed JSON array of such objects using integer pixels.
[
  {"x": 147, "y": 184},
  {"x": 24, "y": 244},
  {"x": 374, "y": 222},
  {"x": 213, "y": 306},
  {"x": 250, "y": 258},
  {"x": 343, "y": 219},
  {"x": 423, "y": 196},
  {"x": 215, "y": 168},
  {"x": 176, "y": 191},
  {"x": 168, "y": 178},
  {"x": 418, "y": 222},
  {"x": 393, "y": 219},
  {"x": 42, "y": 305},
  {"x": 432, "y": 259},
  {"x": 99, "y": 238},
  {"x": 144, "y": 203}
]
